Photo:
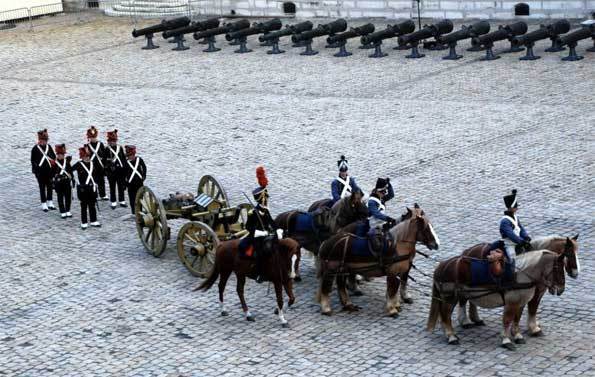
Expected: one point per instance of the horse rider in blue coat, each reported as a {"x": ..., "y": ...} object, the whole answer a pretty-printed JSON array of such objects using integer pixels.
[
  {"x": 515, "y": 237},
  {"x": 382, "y": 193},
  {"x": 343, "y": 185}
]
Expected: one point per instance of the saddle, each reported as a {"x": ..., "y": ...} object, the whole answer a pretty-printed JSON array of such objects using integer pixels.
[{"x": 487, "y": 271}]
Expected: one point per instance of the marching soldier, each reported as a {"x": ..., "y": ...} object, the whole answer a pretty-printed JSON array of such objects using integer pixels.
[
  {"x": 382, "y": 193},
  {"x": 136, "y": 172},
  {"x": 115, "y": 169},
  {"x": 86, "y": 190},
  {"x": 63, "y": 180},
  {"x": 260, "y": 224},
  {"x": 343, "y": 185},
  {"x": 514, "y": 235},
  {"x": 98, "y": 157},
  {"x": 42, "y": 157}
]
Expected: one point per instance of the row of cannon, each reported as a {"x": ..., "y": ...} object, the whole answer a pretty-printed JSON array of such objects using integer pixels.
[{"x": 302, "y": 35}]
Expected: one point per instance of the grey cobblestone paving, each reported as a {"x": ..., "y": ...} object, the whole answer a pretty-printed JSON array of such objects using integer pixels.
[{"x": 453, "y": 136}]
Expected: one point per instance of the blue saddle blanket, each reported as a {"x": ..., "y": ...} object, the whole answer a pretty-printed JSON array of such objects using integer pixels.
[
  {"x": 480, "y": 273},
  {"x": 360, "y": 246},
  {"x": 305, "y": 223}
]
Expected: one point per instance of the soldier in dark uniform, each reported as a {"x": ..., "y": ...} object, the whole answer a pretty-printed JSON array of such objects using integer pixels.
[
  {"x": 42, "y": 157},
  {"x": 98, "y": 158},
  {"x": 63, "y": 180},
  {"x": 260, "y": 224},
  {"x": 86, "y": 189},
  {"x": 114, "y": 169},
  {"x": 382, "y": 193},
  {"x": 136, "y": 172},
  {"x": 343, "y": 185}
]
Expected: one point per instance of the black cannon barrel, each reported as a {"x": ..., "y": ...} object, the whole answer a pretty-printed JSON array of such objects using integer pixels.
[
  {"x": 259, "y": 28},
  {"x": 576, "y": 35},
  {"x": 434, "y": 30},
  {"x": 354, "y": 32},
  {"x": 330, "y": 28},
  {"x": 379, "y": 35},
  {"x": 503, "y": 32},
  {"x": 301, "y": 27},
  {"x": 238, "y": 25},
  {"x": 517, "y": 28},
  {"x": 545, "y": 31},
  {"x": 289, "y": 30},
  {"x": 192, "y": 28},
  {"x": 476, "y": 29},
  {"x": 173, "y": 23},
  {"x": 404, "y": 27}
]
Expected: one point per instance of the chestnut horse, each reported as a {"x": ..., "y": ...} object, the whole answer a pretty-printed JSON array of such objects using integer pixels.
[
  {"x": 560, "y": 246},
  {"x": 452, "y": 283},
  {"x": 276, "y": 267},
  {"x": 338, "y": 257}
]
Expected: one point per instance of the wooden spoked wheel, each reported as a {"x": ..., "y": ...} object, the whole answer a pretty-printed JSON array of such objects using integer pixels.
[
  {"x": 197, "y": 244},
  {"x": 209, "y": 186},
  {"x": 151, "y": 221}
]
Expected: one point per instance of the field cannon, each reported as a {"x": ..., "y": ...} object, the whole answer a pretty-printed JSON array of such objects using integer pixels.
[
  {"x": 545, "y": 31},
  {"x": 164, "y": 25},
  {"x": 504, "y": 32},
  {"x": 258, "y": 28},
  {"x": 178, "y": 33},
  {"x": 340, "y": 40},
  {"x": 273, "y": 37},
  {"x": 331, "y": 28},
  {"x": 210, "y": 34},
  {"x": 375, "y": 39},
  {"x": 571, "y": 40},
  {"x": 478, "y": 28},
  {"x": 413, "y": 39}
]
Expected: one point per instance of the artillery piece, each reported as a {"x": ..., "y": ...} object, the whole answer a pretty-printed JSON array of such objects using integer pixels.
[
  {"x": 571, "y": 40},
  {"x": 413, "y": 39},
  {"x": 504, "y": 32},
  {"x": 258, "y": 28},
  {"x": 178, "y": 33},
  {"x": 391, "y": 31},
  {"x": 478, "y": 28},
  {"x": 210, "y": 34},
  {"x": 164, "y": 25},
  {"x": 545, "y": 31},
  {"x": 334, "y": 27},
  {"x": 340, "y": 40},
  {"x": 273, "y": 37}
]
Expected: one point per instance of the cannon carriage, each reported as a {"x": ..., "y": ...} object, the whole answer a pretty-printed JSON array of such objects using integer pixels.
[{"x": 211, "y": 219}]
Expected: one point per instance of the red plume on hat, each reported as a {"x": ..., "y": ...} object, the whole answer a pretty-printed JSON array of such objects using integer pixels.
[
  {"x": 112, "y": 135},
  {"x": 261, "y": 176},
  {"x": 92, "y": 132},
  {"x": 43, "y": 134}
]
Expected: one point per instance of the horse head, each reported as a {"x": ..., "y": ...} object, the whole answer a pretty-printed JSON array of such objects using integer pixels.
[
  {"x": 358, "y": 208},
  {"x": 425, "y": 231},
  {"x": 557, "y": 284},
  {"x": 570, "y": 254}
]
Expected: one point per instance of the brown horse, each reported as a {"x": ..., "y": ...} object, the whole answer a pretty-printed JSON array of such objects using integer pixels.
[
  {"x": 276, "y": 268},
  {"x": 559, "y": 245},
  {"x": 452, "y": 280},
  {"x": 339, "y": 257}
]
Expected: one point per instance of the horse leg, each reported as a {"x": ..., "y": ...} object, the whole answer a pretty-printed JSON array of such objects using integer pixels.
[
  {"x": 353, "y": 286},
  {"x": 392, "y": 295},
  {"x": 507, "y": 320},
  {"x": 222, "y": 282},
  {"x": 295, "y": 266},
  {"x": 279, "y": 294},
  {"x": 404, "y": 293},
  {"x": 288, "y": 285},
  {"x": 446, "y": 310},
  {"x": 474, "y": 315},
  {"x": 462, "y": 318},
  {"x": 344, "y": 296},
  {"x": 240, "y": 289},
  {"x": 322, "y": 296},
  {"x": 532, "y": 323},
  {"x": 516, "y": 328}
]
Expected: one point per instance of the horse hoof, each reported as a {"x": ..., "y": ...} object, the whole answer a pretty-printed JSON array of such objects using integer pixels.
[
  {"x": 350, "y": 308},
  {"x": 454, "y": 342},
  {"x": 479, "y": 323},
  {"x": 276, "y": 311},
  {"x": 408, "y": 300},
  {"x": 520, "y": 341},
  {"x": 394, "y": 315},
  {"x": 536, "y": 334},
  {"x": 250, "y": 319},
  {"x": 467, "y": 325},
  {"x": 509, "y": 346},
  {"x": 224, "y": 314},
  {"x": 297, "y": 279},
  {"x": 328, "y": 314},
  {"x": 357, "y": 292},
  {"x": 285, "y": 325}
]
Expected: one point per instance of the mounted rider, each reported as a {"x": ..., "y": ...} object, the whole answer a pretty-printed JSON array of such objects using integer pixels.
[
  {"x": 382, "y": 193},
  {"x": 515, "y": 237},
  {"x": 343, "y": 185},
  {"x": 260, "y": 225}
]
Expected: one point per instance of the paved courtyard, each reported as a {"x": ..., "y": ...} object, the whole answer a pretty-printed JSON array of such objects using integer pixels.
[{"x": 453, "y": 136}]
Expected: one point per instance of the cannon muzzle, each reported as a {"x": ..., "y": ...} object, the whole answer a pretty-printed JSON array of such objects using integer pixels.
[
  {"x": 434, "y": 30},
  {"x": 164, "y": 25},
  {"x": 289, "y": 30},
  {"x": 233, "y": 26}
]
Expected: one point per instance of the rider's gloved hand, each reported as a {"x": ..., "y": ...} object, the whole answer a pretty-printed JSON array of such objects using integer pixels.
[{"x": 260, "y": 233}]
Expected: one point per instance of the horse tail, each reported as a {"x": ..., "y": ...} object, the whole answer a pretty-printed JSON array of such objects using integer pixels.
[
  {"x": 213, "y": 276},
  {"x": 434, "y": 308}
]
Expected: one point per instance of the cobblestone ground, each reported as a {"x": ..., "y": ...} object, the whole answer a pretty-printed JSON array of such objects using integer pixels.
[{"x": 453, "y": 136}]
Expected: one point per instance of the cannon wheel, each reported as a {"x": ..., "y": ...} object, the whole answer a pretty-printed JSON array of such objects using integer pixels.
[
  {"x": 197, "y": 243},
  {"x": 211, "y": 187},
  {"x": 151, "y": 221}
]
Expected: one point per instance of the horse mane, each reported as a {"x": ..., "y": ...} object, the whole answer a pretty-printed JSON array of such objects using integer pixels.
[
  {"x": 543, "y": 242},
  {"x": 524, "y": 260}
]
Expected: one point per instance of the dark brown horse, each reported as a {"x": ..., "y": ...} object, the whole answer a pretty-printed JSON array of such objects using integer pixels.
[
  {"x": 559, "y": 245},
  {"x": 276, "y": 268},
  {"x": 339, "y": 256},
  {"x": 452, "y": 283}
]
